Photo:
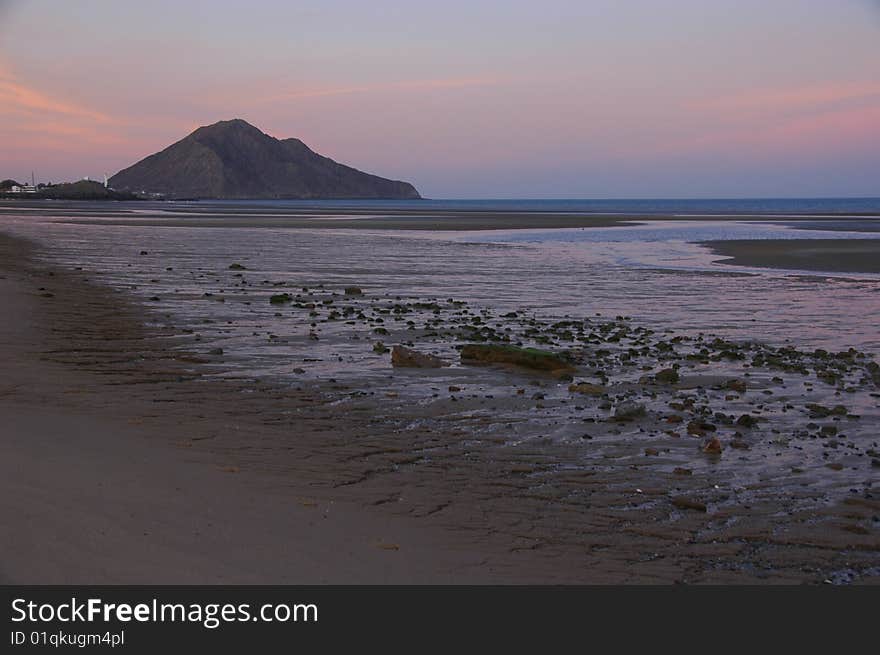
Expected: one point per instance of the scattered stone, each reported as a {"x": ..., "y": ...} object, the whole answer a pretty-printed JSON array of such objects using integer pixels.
[
  {"x": 667, "y": 376},
  {"x": 713, "y": 446},
  {"x": 628, "y": 410},
  {"x": 747, "y": 421},
  {"x": 587, "y": 389},
  {"x": 531, "y": 358},
  {"x": 699, "y": 428},
  {"x": 686, "y": 503},
  {"x": 402, "y": 356},
  {"x": 819, "y": 411}
]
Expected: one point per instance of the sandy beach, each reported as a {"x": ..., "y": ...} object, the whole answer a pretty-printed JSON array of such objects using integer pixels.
[
  {"x": 123, "y": 461},
  {"x": 102, "y": 487}
]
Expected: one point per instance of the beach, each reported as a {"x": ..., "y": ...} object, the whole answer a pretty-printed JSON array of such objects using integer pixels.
[
  {"x": 181, "y": 426},
  {"x": 108, "y": 478}
]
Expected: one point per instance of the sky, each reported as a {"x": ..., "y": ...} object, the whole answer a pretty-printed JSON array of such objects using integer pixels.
[{"x": 567, "y": 99}]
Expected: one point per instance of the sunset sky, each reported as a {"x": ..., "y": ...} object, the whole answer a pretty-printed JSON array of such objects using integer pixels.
[{"x": 576, "y": 99}]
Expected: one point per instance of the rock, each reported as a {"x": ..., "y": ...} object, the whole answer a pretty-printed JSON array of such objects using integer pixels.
[
  {"x": 651, "y": 452},
  {"x": 280, "y": 298},
  {"x": 667, "y": 376},
  {"x": 353, "y": 291},
  {"x": 739, "y": 444},
  {"x": 674, "y": 418},
  {"x": 687, "y": 503},
  {"x": 532, "y": 358},
  {"x": 454, "y": 389},
  {"x": 713, "y": 446},
  {"x": 628, "y": 410},
  {"x": 736, "y": 385},
  {"x": 747, "y": 421},
  {"x": 699, "y": 428},
  {"x": 380, "y": 348},
  {"x": 587, "y": 389},
  {"x": 835, "y": 466},
  {"x": 237, "y": 267},
  {"x": 402, "y": 356},
  {"x": 818, "y": 411},
  {"x": 215, "y": 351}
]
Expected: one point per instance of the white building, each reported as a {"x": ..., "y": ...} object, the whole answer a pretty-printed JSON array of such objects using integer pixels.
[{"x": 24, "y": 189}]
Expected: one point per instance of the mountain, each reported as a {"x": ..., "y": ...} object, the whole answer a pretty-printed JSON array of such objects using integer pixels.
[{"x": 234, "y": 159}]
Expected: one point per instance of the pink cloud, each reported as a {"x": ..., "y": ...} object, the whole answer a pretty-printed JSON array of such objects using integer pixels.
[
  {"x": 786, "y": 100},
  {"x": 778, "y": 123},
  {"x": 15, "y": 96}
]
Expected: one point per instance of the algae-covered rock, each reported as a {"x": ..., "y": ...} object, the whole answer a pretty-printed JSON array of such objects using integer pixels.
[
  {"x": 629, "y": 410},
  {"x": 280, "y": 298},
  {"x": 353, "y": 291},
  {"x": 587, "y": 389},
  {"x": 407, "y": 357},
  {"x": 819, "y": 411},
  {"x": 667, "y": 376},
  {"x": 531, "y": 358},
  {"x": 237, "y": 267}
]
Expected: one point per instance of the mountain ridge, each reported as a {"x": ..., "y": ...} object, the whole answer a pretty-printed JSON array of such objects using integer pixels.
[{"x": 232, "y": 159}]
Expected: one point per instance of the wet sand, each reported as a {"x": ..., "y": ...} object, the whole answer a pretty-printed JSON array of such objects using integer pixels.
[
  {"x": 106, "y": 478},
  {"x": 122, "y": 462},
  {"x": 830, "y": 255}
]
